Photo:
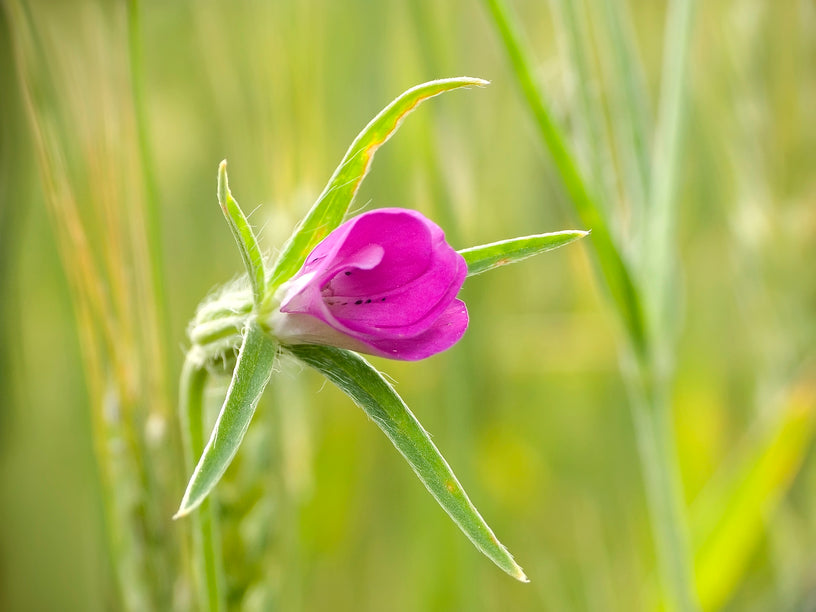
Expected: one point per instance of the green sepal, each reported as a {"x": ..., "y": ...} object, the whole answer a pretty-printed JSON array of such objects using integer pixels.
[
  {"x": 488, "y": 256},
  {"x": 252, "y": 371},
  {"x": 244, "y": 237},
  {"x": 332, "y": 205},
  {"x": 371, "y": 391}
]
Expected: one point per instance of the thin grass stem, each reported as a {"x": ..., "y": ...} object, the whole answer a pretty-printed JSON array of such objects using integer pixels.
[
  {"x": 630, "y": 107},
  {"x": 614, "y": 269},
  {"x": 659, "y": 238},
  {"x": 151, "y": 238},
  {"x": 647, "y": 382},
  {"x": 209, "y": 573},
  {"x": 590, "y": 115}
]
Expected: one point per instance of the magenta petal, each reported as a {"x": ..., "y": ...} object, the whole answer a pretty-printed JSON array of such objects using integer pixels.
[
  {"x": 386, "y": 278},
  {"x": 305, "y": 294},
  {"x": 408, "y": 309},
  {"x": 443, "y": 334}
]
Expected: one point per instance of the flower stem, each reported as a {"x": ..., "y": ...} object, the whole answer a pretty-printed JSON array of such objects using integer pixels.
[{"x": 209, "y": 574}]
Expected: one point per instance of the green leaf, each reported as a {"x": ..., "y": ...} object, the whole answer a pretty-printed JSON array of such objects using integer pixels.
[
  {"x": 332, "y": 205},
  {"x": 370, "y": 391},
  {"x": 252, "y": 372},
  {"x": 488, "y": 256},
  {"x": 242, "y": 232}
]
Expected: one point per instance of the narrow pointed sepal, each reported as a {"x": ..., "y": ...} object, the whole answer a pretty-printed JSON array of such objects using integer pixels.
[
  {"x": 244, "y": 236},
  {"x": 488, "y": 256},
  {"x": 370, "y": 391},
  {"x": 256, "y": 360}
]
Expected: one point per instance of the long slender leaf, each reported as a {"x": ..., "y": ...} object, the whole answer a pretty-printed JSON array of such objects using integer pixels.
[
  {"x": 370, "y": 391},
  {"x": 332, "y": 205},
  {"x": 615, "y": 270},
  {"x": 244, "y": 236},
  {"x": 488, "y": 256},
  {"x": 659, "y": 239},
  {"x": 650, "y": 408},
  {"x": 252, "y": 372},
  {"x": 630, "y": 108},
  {"x": 594, "y": 139}
]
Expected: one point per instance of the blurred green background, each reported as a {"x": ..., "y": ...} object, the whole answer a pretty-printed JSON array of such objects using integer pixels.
[{"x": 530, "y": 409}]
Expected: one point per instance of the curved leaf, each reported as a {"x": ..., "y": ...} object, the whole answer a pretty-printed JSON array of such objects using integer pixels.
[
  {"x": 332, "y": 205},
  {"x": 242, "y": 232},
  {"x": 370, "y": 391},
  {"x": 252, "y": 372},
  {"x": 488, "y": 256}
]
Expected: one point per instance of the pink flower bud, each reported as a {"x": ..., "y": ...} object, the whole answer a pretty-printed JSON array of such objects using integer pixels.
[{"x": 384, "y": 283}]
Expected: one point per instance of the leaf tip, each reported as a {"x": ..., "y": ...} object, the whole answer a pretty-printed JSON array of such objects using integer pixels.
[
  {"x": 186, "y": 506},
  {"x": 519, "y": 574},
  {"x": 182, "y": 512},
  {"x": 223, "y": 185}
]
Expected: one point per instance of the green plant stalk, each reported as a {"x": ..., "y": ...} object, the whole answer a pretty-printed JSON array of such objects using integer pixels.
[
  {"x": 594, "y": 134},
  {"x": 126, "y": 511},
  {"x": 152, "y": 223},
  {"x": 206, "y": 552},
  {"x": 660, "y": 277},
  {"x": 631, "y": 108},
  {"x": 648, "y": 386},
  {"x": 614, "y": 269},
  {"x": 659, "y": 240},
  {"x": 652, "y": 417}
]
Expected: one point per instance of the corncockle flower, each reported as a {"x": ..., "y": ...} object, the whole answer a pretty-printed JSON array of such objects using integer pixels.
[{"x": 383, "y": 283}]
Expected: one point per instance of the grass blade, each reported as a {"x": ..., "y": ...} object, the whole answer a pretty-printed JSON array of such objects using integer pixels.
[
  {"x": 242, "y": 232},
  {"x": 614, "y": 269},
  {"x": 661, "y": 215},
  {"x": 651, "y": 411},
  {"x": 332, "y": 205},
  {"x": 370, "y": 391},
  {"x": 630, "y": 109},
  {"x": 592, "y": 138},
  {"x": 252, "y": 372},
  {"x": 488, "y": 256}
]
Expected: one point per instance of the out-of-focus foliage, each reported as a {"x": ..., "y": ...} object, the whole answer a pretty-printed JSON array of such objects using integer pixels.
[{"x": 319, "y": 511}]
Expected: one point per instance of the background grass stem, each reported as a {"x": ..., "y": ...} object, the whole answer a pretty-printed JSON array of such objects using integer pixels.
[{"x": 650, "y": 408}]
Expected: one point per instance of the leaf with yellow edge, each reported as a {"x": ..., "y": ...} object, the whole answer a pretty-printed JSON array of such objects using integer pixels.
[{"x": 332, "y": 205}]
